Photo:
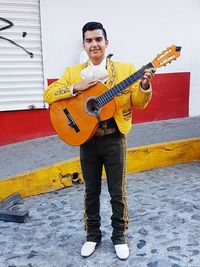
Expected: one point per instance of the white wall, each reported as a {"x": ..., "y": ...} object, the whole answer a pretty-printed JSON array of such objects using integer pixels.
[{"x": 137, "y": 31}]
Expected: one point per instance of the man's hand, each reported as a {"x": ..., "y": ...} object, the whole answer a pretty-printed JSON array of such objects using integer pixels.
[
  {"x": 84, "y": 85},
  {"x": 145, "y": 80}
]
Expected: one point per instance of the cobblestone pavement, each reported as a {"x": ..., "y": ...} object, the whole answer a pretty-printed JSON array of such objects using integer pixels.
[{"x": 164, "y": 228}]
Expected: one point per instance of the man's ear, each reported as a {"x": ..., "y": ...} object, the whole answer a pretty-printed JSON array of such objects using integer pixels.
[{"x": 107, "y": 43}]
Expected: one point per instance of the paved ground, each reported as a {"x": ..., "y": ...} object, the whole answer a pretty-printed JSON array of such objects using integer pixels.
[
  {"x": 164, "y": 208},
  {"x": 164, "y": 228},
  {"x": 24, "y": 156}
]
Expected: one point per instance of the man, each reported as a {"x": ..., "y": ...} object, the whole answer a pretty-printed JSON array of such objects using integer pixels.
[{"x": 108, "y": 146}]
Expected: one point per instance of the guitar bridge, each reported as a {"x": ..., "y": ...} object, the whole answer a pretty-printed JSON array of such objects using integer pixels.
[{"x": 72, "y": 123}]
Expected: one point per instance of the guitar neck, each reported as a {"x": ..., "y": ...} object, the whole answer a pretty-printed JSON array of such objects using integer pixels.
[{"x": 117, "y": 89}]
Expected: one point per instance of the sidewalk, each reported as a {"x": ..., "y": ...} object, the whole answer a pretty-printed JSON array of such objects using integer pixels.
[
  {"x": 164, "y": 228},
  {"x": 37, "y": 153}
]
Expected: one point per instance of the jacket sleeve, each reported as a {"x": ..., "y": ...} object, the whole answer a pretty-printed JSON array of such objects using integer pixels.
[
  {"x": 59, "y": 89},
  {"x": 139, "y": 97}
]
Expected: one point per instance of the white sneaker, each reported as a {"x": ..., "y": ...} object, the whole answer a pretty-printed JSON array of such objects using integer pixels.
[
  {"x": 88, "y": 248},
  {"x": 122, "y": 251}
]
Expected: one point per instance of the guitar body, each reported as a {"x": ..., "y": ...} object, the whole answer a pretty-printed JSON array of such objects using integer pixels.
[{"x": 76, "y": 119}]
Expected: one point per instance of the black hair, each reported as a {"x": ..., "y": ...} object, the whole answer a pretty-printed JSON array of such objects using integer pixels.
[{"x": 90, "y": 26}]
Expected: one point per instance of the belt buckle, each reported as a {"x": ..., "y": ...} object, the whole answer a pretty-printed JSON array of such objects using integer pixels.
[
  {"x": 102, "y": 132},
  {"x": 109, "y": 131}
]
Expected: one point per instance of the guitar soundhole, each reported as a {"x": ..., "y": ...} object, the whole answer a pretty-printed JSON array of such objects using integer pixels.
[{"x": 92, "y": 106}]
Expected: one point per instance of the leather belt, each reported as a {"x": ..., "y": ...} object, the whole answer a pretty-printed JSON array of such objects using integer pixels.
[{"x": 101, "y": 132}]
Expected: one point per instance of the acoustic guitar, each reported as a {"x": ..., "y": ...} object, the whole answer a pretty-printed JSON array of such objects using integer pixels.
[{"x": 76, "y": 119}]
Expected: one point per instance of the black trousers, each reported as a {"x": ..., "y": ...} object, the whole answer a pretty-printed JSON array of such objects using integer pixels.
[{"x": 110, "y": 151}]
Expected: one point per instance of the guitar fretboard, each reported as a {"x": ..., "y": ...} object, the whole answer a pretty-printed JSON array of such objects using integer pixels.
[{"x": 117, "y": 89}]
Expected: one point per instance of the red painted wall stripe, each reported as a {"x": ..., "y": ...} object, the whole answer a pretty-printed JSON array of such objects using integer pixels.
[
  {"x": 170, "y": 100},
  {"x": 24, "y": 125}
]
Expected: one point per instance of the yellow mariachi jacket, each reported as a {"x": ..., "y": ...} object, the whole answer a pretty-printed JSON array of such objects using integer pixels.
[{"x": 133, "y": 96}]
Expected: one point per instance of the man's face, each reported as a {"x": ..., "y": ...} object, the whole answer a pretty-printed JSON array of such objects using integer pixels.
[{"x": 95, "y": 44}]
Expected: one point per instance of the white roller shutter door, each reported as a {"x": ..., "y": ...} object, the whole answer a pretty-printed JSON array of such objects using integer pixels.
[{"x": 21, "y": 75}]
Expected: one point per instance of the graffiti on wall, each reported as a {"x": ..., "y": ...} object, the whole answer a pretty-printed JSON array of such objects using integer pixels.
[{"x": 10, "y": 25}]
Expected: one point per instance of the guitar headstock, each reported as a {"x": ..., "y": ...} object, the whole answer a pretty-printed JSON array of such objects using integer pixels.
[{"x": 167, "y": 56}]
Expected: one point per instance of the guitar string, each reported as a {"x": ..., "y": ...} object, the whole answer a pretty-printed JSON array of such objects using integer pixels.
[
  {"x": 104, "y": 98},
  {"x": 110, "y": 82},
  {"x": 102, "y": 101},
  {"x": 108, "y": 95}
]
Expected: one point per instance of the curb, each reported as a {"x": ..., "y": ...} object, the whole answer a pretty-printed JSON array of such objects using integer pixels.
[{"x": 67, "y": 173}]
